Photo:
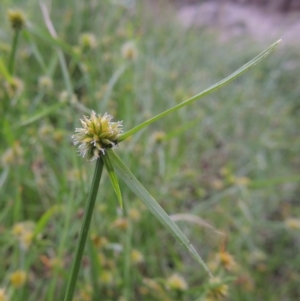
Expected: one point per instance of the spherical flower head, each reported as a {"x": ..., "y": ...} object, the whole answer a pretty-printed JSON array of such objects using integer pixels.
[
  {"x": 23, "y": 231},
  {"x": 98, "y": 133},
  {"x": 14, "y": 88},
  {"x": 218, "y": 290},
  {"x": 158, "y": 136},
  {"x": 134, "y": 214},
  {"x": 64, "y": 97},
  {"x": 13, "y": 156},
  {"x": 98, "y": 241},
  {"x": 176, "y": 283},
  {"x": 87, "y": 41},
  {"x": 136, "y": 256},
  {"x": 45, "y": 83},
  {"x": 129, "y": 50},
  {"x": 106, "y": 277},
  {"x": 18, "y": 278},
  {"x": 121, "y": 223},
  {"x": 17, "y": 19},
  {"x": 227, "y": 261},
  {"x": 293, "y": 223}
]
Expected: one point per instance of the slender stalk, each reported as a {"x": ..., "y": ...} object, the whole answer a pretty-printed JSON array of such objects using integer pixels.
[
  {"x": 12, "y": 57},
  {"x": 84, "y": 230},
  {"x": 127, "y": 261}
]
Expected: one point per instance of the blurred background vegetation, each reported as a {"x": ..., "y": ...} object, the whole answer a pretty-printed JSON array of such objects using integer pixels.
[{"x": 226, "y": 168}]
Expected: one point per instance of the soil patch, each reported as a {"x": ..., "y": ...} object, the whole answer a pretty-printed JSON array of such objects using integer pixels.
[{"x": 236, "y": 20}]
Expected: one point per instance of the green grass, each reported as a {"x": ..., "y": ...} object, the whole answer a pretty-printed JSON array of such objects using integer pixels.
[{"x": 247, "y": 132}]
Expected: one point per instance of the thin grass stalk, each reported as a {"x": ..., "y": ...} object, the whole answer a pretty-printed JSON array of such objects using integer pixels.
[
  {"x": 127, "y": 261},
  {"x": 61, "y": 248},
  {"x": 12, "y": 58},
  {"x": 84, "y": 230}
]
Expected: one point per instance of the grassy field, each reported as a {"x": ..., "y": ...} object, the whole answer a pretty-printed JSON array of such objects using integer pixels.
[{"x": 226, "y": 168}]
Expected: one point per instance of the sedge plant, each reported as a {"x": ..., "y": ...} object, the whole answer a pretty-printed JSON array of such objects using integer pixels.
[{"x": 97, "y": 139}]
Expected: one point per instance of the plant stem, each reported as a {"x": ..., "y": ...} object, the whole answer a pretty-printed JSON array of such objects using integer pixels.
[
  {"x": 127, "y": 261},
  {"x": 84, "y": 230},
  {"x": 12, "y": 57}
]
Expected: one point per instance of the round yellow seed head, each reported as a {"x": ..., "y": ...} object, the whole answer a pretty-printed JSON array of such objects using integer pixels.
[
  {"x": 98, "y": 133},
  {"x": 217, "y": 290},
  {"x": 292, "y": 223},
  {"x": 227, "y": 261},
  {"x": 87, "y": 41},
  {"x": 17, "y": 19},
  {"x": 176, "y": 283},
  {"x": 129, "y": 50},
  {"x": 134, "y": 214},
  {"x": 158, "y": 136},
  {"x": 106, "y": 277},
  {"x": 45, "y": 83},
  {"x": 18, "y": 278},
  {"x": 120, "y": 223},
  {"x": 14, "y": 88},
  {"x": 136, "y": 256}
]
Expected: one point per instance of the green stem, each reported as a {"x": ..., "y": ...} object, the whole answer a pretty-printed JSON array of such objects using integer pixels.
[
  {"x": 84, "y": 230},
  {"x": 127, "y": 262},
  {"x": 11, "y": 63}
]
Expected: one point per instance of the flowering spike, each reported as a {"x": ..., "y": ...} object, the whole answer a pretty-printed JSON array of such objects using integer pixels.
[{"x": 97, "y": 134}]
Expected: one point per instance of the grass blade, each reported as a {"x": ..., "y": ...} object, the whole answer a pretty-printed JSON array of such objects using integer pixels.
[
  {"x": 40, "y": 115},
  {"x": 113, "y": 177},
  {"x": 56, "y": 42},
  {"x": 4, "y": 71},
  {"x": 44, "y": 219},
  {"x": 153, "y": 206},
  {"x": 209, "y": 90}
]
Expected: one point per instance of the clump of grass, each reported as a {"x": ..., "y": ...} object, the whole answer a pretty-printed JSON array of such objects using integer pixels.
[{"x": 96, "y": 138}]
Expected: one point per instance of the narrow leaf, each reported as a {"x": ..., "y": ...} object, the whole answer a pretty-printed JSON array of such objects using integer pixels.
[
  {"x": 4, "y": 176},
  {"x": 272, "y": 182},
  {"x": 214, "y": 87},
  {"x": 113, "y": 178},
  {"x": 4, "y": 71},
  {"x": 40, "y": 115},
  {"x": 42, "y": 222},
  {"x": 112, "y": 82},
  {"x": 52, "y": 40},
  {"x": 153, "y": 206},
  {"x": 37, "y": 54}
]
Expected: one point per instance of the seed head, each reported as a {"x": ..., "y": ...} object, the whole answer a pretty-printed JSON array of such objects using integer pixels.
[
  {"x": 17, "y": 19},
  {"x": 121, "y": 223},
  {"x": 129, "y": 50},
  {"x": 136, "y": 256},
  {"x": 14, "y": 88},
  {"x": 226, "y": 260},
  {"x": 18, "y": 278},
  {"x": 134, "y": 214},
  {"x": 218, "y": 290},
  {"x": 292, "y": 223},
  {"x": 87, "y": 41},
  {"x": 45, "y": 83},
  {"x": 13, "y": 156},
  {"x": 97, "y": 134},
  {"x": 23, "y": 231},
  {"x": 106, "y": 277},
  {"x": 176, "y": 283}
]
